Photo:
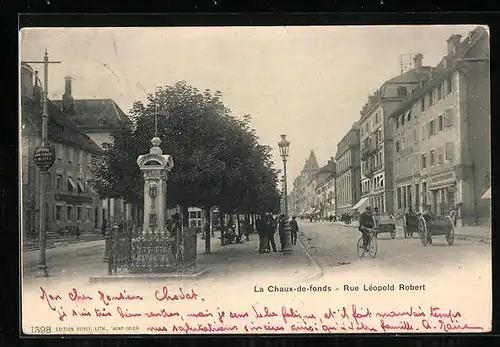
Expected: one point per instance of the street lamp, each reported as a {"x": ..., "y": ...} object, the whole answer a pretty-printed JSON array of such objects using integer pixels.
[
  {"x": 44, "y": 157},
  {"x": 284, "y": 147}
]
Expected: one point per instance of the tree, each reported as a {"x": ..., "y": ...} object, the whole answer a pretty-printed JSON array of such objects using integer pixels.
[{"x": 218, "y": 160}]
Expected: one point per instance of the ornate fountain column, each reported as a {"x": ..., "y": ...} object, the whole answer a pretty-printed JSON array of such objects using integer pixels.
[
  {"x": 153, "y": 250},
  {"x": 155, "y": 165}
]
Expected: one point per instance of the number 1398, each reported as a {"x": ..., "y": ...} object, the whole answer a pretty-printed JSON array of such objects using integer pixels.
[{"x": 40, "y": 329}]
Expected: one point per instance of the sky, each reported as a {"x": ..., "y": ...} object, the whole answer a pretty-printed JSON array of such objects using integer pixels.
[{"x": 308, "y": 82}]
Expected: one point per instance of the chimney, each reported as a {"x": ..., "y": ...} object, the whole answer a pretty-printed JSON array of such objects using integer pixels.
[
  {"x": 417, "y": 59},
  {"x": 453, "y": 43},
  {"x": 67, "y": 99}
]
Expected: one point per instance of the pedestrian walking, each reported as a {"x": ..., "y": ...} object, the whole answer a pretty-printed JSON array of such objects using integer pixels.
[
  {"x": 260, "y": 225},
  {"x": 294, "y": 228}
]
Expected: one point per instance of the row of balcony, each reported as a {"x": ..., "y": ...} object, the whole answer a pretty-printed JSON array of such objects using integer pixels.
[{"x": 371, "y": 169}]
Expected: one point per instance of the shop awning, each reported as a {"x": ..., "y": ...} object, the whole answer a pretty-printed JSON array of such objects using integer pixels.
[
  {"x": 72, "y": 183},
  {"x": 361, "y": 203},
  {"x": 80, "y": 186},
  {"x": 487, "y": 194},
  {"x": 310, "y": 211}
]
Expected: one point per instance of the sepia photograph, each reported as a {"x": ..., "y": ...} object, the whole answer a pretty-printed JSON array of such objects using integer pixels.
[{"x": 255, "y": 180}]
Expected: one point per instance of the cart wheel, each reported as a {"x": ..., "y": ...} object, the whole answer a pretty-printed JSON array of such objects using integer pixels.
[
  {"x": 405, "y": 228},
  {"x": 360, "y": 250},
  {"x": 450, "y": 237},
  {"x": 422, "y": 228},
  {"x": 373, "y": 246}
]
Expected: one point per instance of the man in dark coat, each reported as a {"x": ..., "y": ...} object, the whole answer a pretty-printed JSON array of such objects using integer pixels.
[
  {"x": 294, "y": 228},
  {"x": 271, "y": 229},
  {"x": 366, "y": 223}
]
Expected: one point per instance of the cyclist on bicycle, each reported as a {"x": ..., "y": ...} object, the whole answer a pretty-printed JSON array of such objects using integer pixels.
[{"x": 366, "y": 224}]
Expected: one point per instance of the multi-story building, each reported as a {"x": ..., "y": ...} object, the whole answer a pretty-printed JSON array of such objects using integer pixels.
[
  {"x": 325, "y": 190},
  {"x": 70, "y": 200},
  {"x": 98, "y": 118},
  {"x": 348, "y": 172},
  {"x": 376, "y": 136},
  {"x": 442, "y": 135},
  {"x": 303, "y": 192}
]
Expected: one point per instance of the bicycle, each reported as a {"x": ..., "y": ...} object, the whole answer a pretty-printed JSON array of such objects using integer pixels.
[{"x": 372, "y": 244}]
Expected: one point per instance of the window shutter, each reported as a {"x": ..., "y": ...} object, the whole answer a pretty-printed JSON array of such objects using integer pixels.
[
  {"x": 440, "y": 154},
  {"x": 449, "y": 151}
]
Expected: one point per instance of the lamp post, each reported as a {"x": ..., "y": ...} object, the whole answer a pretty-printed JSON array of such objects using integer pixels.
[
  {"x": 44, "y": 158},
  {"x": 284, "y": 147}
]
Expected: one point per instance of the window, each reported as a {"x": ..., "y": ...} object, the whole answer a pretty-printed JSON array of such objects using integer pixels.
[
  {"x": 432, "y": 158},
  {"x": 402, "y": 120},
  {"x": 414, "y": 135},
  {"x": 440, "y": 90},
  {"x": 423, "y": 162},
  {"x": 79, "y": 213},
  {"x": 377, "y": 117},
  {"x": 440, "y": 123},
  {"x": 397, "y": 123},
  {"x": 449, "y": 151},
  {"x": 59, "y": 181},
  {"x": 70, "y": 213},
  {"x": 80, "y": 159},
  {"x": 89, "y": 214},
  {"x": 402, "y": 91},
  {"x": 408, "y": 116},
  {"x": 422, "y": 105},
  {"x": 431, "y": 128},
  {"x": 449, "y": 85},
  {"x": 431, "y": 101},
  {"x": 58, "y": 212},
  {"x": 448, "y": 117}
]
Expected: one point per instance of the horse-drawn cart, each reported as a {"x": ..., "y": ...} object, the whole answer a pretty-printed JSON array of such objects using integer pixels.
[
  {"x": 436, "y": 226},
  {"x": 386, "y": 224}
]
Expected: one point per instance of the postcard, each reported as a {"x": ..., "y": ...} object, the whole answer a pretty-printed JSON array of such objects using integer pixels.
[{"x": 255, "y": 180}]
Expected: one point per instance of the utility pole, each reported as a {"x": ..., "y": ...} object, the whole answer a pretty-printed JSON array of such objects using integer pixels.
[{"x": 44, "y": 158}]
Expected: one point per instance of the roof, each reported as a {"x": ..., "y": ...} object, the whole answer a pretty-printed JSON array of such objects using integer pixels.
[
  {"x": 446, "y": 67},
  {"x": 61, "y": 129},
  {"x": 95, "y": 114},
  {"x": 311, "y": 161}
]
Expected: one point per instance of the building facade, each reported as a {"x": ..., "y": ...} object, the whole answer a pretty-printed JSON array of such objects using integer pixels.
[
  {"x": 303, "y": 191},
  {"x": 98, "y": 118},
  {"x": 376, "y": 137},
  {"x": 442, "y": 135},
  {"x": 325, "y": 190},
  {"x": 70, "y": 200},
  {"x": 348, "y": 172}
]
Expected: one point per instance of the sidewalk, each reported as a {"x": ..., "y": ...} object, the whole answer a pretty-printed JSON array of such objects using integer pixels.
[
  {"x": 461, "y": 232},
  {"x": 243, "y": 260},
  {"x": 58, "y": 241}
]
